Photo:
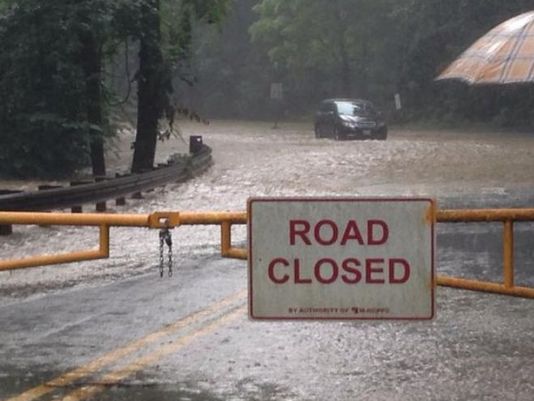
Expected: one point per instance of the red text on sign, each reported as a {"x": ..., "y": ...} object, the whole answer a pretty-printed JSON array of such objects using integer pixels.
[
  {"x": 348, "y": 271},
  {"x": 328, "y": 232}
]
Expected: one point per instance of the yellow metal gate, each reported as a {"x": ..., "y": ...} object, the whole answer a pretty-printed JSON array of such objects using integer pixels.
[{"x": 226, "y": 220}]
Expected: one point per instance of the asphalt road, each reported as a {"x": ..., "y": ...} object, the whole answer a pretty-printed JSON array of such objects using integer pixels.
[
  {"x": 130, "y": 335},
  {"x": 189, "y": 338}
]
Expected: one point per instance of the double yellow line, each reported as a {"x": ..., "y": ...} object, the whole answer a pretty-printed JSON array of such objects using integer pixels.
[{"x": 139, "y": 363}]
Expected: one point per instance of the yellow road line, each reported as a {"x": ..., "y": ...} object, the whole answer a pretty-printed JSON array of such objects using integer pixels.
[
  {"x": 149, "y": 359},
  {"x": 119, "y": 353}
]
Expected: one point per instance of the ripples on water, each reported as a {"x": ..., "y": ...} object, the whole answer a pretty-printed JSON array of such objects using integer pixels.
[
  {"x": 252, "y": 159},
  {"x": 479, "y": 347}
]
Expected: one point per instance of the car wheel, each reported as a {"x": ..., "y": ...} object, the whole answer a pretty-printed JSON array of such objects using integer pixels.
[
  {"x": 382, "y": 134},
  {"x": 337, "y": 134}
]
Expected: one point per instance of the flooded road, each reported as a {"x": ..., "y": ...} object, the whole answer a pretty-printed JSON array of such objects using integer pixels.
[{"x": 479, "y": 347}]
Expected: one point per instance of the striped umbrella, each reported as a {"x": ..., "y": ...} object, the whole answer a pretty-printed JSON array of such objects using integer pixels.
[{"x": 503, "y": 55}]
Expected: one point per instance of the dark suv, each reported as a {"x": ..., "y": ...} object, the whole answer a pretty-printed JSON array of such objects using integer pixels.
[{"x": 349, "y": 118}]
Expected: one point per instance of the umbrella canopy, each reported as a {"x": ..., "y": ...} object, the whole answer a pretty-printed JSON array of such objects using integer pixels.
[{"x": 503, "y": 55}]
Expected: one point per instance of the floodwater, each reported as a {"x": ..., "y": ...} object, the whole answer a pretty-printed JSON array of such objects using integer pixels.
[
  {"x": 251, "y": 159},
  {"x": 479, "y": 347}
]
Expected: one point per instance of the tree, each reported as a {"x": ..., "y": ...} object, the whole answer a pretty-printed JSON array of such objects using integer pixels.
[
  {"x": 151, "y": 84},
  {"x": 328, "y": 48},
  {"x": 39, "y": 136},
  {"x": 94, "y": 27},
  {"x": 376, "y": 48},
  {"x": 434, "y": 33},
  {"x": 154, "y": 77},
  {"x": 54, "y": 115},
  {"x": 51, "y": 115}
]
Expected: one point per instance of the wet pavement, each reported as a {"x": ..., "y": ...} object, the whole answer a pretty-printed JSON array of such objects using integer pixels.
[{"x": 479, "y": 347}]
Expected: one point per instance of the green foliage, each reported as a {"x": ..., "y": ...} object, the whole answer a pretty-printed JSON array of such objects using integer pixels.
[
  {"x": 376, "y": 48},
  {"x": 328, "y": 48},
  {"x": 157, "y": 62},
  {"x": 436, "y": 32},
  {"x": 53, "y": 55},
  {"x": 45, "y": 122},
  {"x": 178, "y": 20},
  {"x": 41, "y": 119},
  {"x": 220, "y": 56}
]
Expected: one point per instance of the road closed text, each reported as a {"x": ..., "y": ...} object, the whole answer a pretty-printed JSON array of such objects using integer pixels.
[
  {"x": 341, "y": 258},
  {"x": 350, "y": 270}
]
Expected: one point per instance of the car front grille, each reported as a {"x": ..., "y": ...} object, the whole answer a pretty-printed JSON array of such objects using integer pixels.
[{"x": 367, "y": 124}]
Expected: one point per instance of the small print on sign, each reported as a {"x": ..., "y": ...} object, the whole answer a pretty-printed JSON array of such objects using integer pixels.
[{"x": 316, "y": 258}]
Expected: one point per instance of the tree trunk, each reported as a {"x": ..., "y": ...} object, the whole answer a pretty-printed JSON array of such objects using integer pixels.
[
  {"x": 92, "y": 65},
  {"x": 346, "y": 76},
  {"x": 345, "y": 70},
  {"x": 150, "y": 89},
  {"x": 363, "y": 74}
]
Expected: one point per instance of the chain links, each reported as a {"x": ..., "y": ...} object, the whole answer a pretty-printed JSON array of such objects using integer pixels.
[{"x": 165, "y": 238}]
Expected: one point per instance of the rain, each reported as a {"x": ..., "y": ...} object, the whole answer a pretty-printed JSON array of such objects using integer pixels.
[
  {"x": 120, "y": 86},
  {"x": 476, "y": 339}
]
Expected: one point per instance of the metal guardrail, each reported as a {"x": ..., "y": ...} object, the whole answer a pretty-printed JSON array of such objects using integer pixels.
[
  {"x": 58, "y": 198},
  {"x": 104, "y": 189}
]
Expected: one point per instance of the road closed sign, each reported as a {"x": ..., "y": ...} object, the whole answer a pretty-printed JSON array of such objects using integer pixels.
[{"x": 341, "y": 259}]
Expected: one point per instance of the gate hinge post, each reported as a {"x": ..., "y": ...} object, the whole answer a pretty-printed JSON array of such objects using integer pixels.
[{"x": 163, "y": 220}]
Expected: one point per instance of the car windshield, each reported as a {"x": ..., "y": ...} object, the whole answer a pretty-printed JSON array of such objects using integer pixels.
[{"x": 355, "y": 109}]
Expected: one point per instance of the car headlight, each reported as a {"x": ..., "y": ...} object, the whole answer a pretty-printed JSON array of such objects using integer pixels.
[{"x": 349, "y": 124}]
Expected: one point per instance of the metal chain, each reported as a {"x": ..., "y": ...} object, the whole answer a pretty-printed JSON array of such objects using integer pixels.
[
  {"x": 168, "y": 240},
  {"x": 161, "y": 242},
  {"x": 165, "y": 238}
]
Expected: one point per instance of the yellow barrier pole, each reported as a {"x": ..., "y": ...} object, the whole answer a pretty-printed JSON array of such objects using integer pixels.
[
  {"x": 507, "y": 216},
  {"x": 484, "y": 215},
  {"x": 227, "y": 250},
  {"x": 104, "y": 221},
  {"x": 79, "y": 256},
  {"x": 45, "y": 260},
  {"x": 212, "y": 218},
  {"x": 226, "y": 237},
  {"x": 104, "y": 241},
  {"x": 125, "y": 220},
  {"x": 485, "y": 286},
  {"x": 237, "y": 253},
  {"x": 508, "y": 253},
  {"x": 75, "y": 219},
  {"x": 226, "y": 219}
]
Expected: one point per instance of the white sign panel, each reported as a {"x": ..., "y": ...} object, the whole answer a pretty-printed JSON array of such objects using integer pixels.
[{"x": 317, "y": 258}]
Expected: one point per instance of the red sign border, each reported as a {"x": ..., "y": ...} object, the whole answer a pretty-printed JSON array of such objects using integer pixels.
[{"x": 252, "y": 200}]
